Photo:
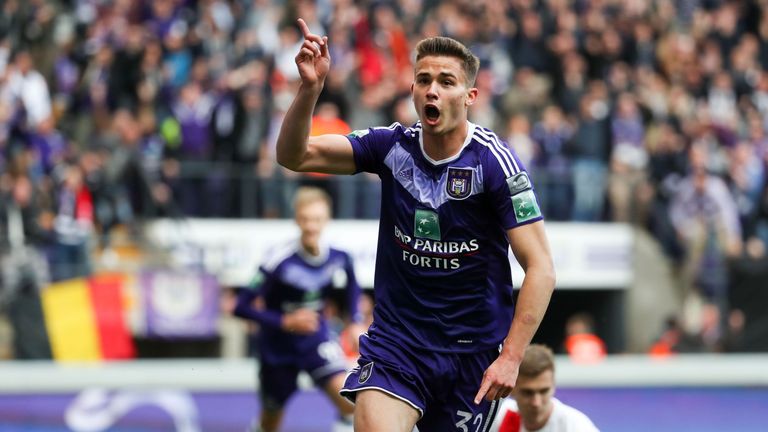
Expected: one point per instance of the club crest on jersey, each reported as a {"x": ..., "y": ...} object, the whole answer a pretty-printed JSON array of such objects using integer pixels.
[
  {"x": 365, "y": 373},
  {"x": 459, "y": 183}
]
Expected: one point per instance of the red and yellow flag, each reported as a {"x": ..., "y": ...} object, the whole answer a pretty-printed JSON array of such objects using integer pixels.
[{"x": 85, "y": 319}]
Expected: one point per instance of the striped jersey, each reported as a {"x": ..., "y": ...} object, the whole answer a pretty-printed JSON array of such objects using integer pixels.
[
  {"x": 563, "y": 418},
  {"x": 443, "y": 280}
]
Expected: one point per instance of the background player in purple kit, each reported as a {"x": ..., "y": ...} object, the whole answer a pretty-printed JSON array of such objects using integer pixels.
[
  {"x": 454, "y": 198},
  {"x": 287, "y": 298}
]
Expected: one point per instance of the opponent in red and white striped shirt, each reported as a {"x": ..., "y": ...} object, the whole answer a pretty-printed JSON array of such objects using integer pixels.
[{"x": 532, "y": 406}]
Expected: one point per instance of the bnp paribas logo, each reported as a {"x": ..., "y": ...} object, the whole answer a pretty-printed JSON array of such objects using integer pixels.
[
  {"x": 426, "y": 225},
  {"x": 526, "y": 207}
]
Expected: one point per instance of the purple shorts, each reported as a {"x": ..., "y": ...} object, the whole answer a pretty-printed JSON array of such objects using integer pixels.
[
  {"x": 441, "y": 386},
  {"x": 278, "y": 380}
]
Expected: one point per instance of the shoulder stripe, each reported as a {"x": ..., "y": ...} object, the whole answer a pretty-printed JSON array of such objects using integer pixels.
[
  {"x": 278, "y": 254},
  {"x": 508, "y": 170},
  {"x": 393, "y": 126},
  {"x": 506, "y": 153},
  {"x": 501, "y": 162}
]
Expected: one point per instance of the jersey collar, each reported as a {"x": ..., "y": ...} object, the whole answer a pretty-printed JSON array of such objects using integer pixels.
[
  {"x": 312, "y": 259},
  {"x": 467, "y": 140}
]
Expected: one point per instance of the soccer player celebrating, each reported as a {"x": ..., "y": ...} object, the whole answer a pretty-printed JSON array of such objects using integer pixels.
[
  {"x": 287, "y": 298},
  {"x": 454, "y": 196},
  {"x": 533, "y": 407}
]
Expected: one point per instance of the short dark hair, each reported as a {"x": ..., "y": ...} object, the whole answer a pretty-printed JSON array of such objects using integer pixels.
[
  {"x": 537, "y": 359},
  {"x": 445, "y": 46}
]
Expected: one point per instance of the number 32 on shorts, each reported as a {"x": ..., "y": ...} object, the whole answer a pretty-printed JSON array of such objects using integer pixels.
[{"x": 465, "y": 418}]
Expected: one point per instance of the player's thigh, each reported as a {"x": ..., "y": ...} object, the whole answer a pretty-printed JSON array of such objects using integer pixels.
[
  {"x": 457, "y": 410},
  {"x": 376, "y": 411},
  {"x": 324, "y": 362},
  {"x": 332, "y": 388},
  {"x": 390, "y": 368},
  {"x": 278, "y": 384},
  {"x": 460, "y": 416}
]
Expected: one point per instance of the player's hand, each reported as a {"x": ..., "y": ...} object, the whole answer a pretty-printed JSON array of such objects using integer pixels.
[
  {"x": 301, "y": 321},
  {"x": 314, "y": 58},
  {"x": 498, "y": 380}
]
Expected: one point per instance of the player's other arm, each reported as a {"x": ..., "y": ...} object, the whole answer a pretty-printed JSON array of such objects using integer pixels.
[
  {"x": 246, "y": 308},
  {"x": 301, "y": 321},
  {"x": 296, "y": 150},
  {"x": 531, "y": 248}
]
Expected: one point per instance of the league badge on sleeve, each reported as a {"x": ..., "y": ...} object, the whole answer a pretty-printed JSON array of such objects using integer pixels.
[
  {"x": 459, "y": 183},
  {"x": 359, "y": 133},
  {"x": 523, "y": 198},
  {"x": 518, "y": 183}
]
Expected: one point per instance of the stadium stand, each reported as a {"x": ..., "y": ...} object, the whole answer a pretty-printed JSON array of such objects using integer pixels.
[{"x": 117, "y": 115}]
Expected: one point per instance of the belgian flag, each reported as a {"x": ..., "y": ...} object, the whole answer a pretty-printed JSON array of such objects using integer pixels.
[{"x": 85, "y": 319}]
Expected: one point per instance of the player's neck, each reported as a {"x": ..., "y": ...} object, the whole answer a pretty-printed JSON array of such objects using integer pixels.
[
  {"x": 312, "y": 249},
  {"x": 444, "y": 146}
]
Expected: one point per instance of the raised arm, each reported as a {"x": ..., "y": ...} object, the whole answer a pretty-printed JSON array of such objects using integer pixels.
[
  {"x": 296, "y": 150},
  {"x": 531, "y": 248}
]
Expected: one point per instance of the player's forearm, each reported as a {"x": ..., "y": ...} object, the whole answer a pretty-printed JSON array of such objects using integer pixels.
[
  {"x": 353, "y": 299},
  {"x": 294, "y": 132},
  {"x": 243, "y": 309},
  {"x": 532, "y": 303}
]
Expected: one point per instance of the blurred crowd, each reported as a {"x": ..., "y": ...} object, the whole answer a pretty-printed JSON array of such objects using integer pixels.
[{"x": 651, "y": 112}]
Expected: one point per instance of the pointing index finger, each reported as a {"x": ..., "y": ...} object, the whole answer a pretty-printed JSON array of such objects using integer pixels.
[
  {"x": 307, "y": 34},
  {"x": 304, "y": 27},
  {"x": 484, "y": 387}
]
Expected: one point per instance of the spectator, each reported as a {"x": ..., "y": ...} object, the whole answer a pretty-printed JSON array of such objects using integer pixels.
[
  {"x": 581, "y": 342},
  {"x": 748, "y": 296},
  {"x": 668, "y": 165},
  {"x": 28, "y": 86},
  {"x": 589, "y": 149},
  {"x": 73, "y": 227},
  {"x": 519, "y": 138},
  {"x": 552, "y": 135},
  {"x": 705, "y": 218},
  {"x": 23, "y": 268},
  {"x": 628, "y": 161}
]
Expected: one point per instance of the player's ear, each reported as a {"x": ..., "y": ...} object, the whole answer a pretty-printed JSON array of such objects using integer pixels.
[{"x": 471, "y": 96}]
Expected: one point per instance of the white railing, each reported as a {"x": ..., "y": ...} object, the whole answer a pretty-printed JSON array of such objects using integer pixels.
[{"x": 239, "y": 375}]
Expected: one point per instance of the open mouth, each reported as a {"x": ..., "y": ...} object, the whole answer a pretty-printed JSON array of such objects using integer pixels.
[{"x": 432, "y": 113}]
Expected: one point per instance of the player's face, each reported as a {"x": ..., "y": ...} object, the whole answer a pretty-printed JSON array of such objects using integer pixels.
[
  {"x": 441, "y": 94},
  {"x": 534, "y": 397},
  {"x": 312, "y": 218}
]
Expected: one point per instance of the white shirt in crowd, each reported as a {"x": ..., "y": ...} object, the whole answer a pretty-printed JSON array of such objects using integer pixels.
[
  {"x": 32, "y": 90},
  {"x": 563, "y": 419}
]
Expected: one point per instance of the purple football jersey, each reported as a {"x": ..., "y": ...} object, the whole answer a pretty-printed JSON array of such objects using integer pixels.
[
  {"x": 291, "y": 279},
  {"x": 443, "y": 280}
]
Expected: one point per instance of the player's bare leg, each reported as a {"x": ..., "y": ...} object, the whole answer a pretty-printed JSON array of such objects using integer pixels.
[
  {"x": 270, "y": 420},
  {"x": 376, "y": 411},
  {"x": 344, "y": 406},
  {"x": 332, "y": 388}
]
